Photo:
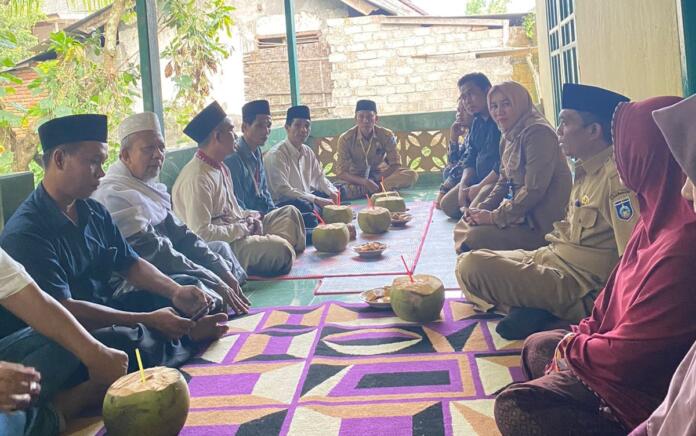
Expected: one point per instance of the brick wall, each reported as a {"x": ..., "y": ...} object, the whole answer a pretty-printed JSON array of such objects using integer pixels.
[
  {"x": 266, "y": 77},
  {"x": 407, "y": 68},
  {"x": 23, "y": 95}
]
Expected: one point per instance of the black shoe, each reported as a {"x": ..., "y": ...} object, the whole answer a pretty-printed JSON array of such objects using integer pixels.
[{"x": 522, "y": 322}]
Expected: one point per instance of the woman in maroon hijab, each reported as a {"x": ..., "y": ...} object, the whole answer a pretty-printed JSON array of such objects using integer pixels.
[
  {"x": 677, "y": 413},
  {"x": 612, "y": 370}
]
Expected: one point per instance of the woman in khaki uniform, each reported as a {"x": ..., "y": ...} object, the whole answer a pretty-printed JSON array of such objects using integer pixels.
[{"x": 534, "y": 184}]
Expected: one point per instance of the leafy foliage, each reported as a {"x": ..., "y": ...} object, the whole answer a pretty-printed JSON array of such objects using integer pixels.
[
  {"x": 529, "y": 25},
  {"x": 481, "y": 7},
  {"x": 83, "y": 77},
  {"x": 97, "y": 92},
  {"x": 16, "y": 38},
  {"x": 194, "y": 52}
]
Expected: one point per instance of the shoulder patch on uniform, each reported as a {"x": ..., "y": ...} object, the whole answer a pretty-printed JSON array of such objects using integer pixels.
[{"x": 624, "y": 209}]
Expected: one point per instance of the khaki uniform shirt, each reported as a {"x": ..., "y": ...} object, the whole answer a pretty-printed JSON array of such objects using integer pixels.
[
  {"x": 366, "y": 158},
  {"x": 601, "y": 216},
  {"x": 534, "y": 182}
]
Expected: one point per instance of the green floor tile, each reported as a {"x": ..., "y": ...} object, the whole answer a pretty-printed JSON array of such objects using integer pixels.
[
  {"x": 280, "y": 292},
  {"x": 301, "y": 292}
]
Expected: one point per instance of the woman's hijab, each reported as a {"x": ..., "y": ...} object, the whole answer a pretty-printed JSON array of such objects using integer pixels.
[
  {"x": 524, "y": 114},
  {"x": 522, "y": 109},
  {"x": 642, "y": 323},
  {"x": 678, "y": 125},
  {"x": 676, "y": 414}
]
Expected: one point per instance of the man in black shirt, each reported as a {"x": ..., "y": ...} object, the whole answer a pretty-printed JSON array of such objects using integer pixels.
[{"x": 472, "y": 166}]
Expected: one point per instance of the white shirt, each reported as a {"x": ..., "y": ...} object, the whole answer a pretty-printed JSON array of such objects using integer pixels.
[
  {"x": 13, "y": 277},
  {"x": 294, "y": 173},
  {"x": 204, "y": 199}
]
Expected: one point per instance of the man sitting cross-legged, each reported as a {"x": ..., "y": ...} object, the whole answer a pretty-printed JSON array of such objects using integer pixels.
[
  {"x": 42, "y": 380},
  {"x": 295, "y": 175},
  {"x": 204, "y": 198},
  {"x": 141, "y": 208},
  {"x": 563, "y": 278},
  {"x": 367, "y": 155},
  {"x": 472, "y": 167},
  {"x": 69, "y": 244}
]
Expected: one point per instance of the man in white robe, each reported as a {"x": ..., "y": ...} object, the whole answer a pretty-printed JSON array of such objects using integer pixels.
[{"x": 141, "y": 208}]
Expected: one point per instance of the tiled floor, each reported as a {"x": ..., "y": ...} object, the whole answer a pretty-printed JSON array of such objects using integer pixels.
[{"x": 301, "y": 292}]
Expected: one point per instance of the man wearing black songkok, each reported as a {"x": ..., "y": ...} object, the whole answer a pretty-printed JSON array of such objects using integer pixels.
[
  {"x": 295, "y": 175},
  {"x": 204, "y": 198},
  {"x": 70, "y": 246},
  {"x": 562, "y": 279},
  {"x": 367, "y": 155},
  {"x": 246, "y": 164}
]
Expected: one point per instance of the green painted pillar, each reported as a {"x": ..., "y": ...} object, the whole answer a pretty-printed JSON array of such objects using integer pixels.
[
  {"x": 146, "y": 11},
  {"x": 687, "y": 38},
  {"x": 292, "y": 52}
]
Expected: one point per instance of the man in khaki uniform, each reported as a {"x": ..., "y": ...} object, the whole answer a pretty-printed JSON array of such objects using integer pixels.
[
  {"x": 367, "y": 154},
  {"x": 562, "y": 279},
  {"x": 203, "y": 197}
]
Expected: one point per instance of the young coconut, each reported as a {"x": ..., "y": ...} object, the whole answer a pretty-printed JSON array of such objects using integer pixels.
[
  {"x": 377, "y": 195},
  {"x": 418, "y": 301},
  {"x": 337, "y": 214},
  {"x": 331, "y": 238},
  {"x": 394, "y": 203},
  {"x": 157, "y": 407},
  {"x": 374, "y": 220}
]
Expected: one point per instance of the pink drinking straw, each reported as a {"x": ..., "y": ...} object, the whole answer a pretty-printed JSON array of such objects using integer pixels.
[
  {"x": 318, "y": 217},
  {"x": 410, "y": 274}
]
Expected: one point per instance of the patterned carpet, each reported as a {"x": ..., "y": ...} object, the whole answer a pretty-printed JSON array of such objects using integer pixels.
[{"x": 345, "y": 369}]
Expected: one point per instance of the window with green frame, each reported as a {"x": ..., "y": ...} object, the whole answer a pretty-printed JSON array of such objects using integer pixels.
[{"x": 560, "y": 16}]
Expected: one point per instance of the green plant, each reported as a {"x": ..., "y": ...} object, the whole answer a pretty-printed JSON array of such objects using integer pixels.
[
  {"x": 99, "y": 91},
  {"x": 86, "y": 77},
  {"x": 529, "y": 25},
  {"x": 480, "y": 7},
  {"x": 194, "y": 52},
  {"x": 16, "y": 38}
]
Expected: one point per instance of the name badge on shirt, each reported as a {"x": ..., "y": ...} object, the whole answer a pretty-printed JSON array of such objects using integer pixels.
[{"x": 511, "y": 190}]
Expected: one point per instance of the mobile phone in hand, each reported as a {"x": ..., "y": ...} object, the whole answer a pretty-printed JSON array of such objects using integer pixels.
[{"x": 203, "y": 311}]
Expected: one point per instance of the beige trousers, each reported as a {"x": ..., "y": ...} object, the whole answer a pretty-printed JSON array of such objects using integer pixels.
[
  {"x": 518, "y": 278},
  {"x": 274, "y": 252},
  {"x": 450, "y": 201},
  {"x": 286, "y": 222},
  {"x": 494, "y": 238},
  {"x": 401, "y": 178}
]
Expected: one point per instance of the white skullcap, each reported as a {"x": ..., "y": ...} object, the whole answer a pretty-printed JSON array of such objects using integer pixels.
[{"x": 138, "y": 123}]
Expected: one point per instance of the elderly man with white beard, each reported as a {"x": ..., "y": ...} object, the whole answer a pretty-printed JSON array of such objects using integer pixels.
[{"x": 141, "y": 208}]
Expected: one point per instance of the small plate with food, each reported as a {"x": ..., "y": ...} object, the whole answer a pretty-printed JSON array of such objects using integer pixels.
[
  {"x": 370, "y": 250},
  {"x": 377, "y": 298},
  {"x": 400, "y": 219}
]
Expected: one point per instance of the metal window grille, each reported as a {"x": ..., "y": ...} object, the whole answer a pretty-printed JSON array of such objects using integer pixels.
[{"x": 560, "y": 16}]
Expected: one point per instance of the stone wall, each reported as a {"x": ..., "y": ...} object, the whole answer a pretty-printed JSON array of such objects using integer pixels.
[{"x": 407, "y": 68}]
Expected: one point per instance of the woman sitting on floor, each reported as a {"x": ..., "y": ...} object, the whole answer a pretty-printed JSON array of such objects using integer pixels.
[
  {"x": 608, "y": 374},
  {"x": 533, "y": 188},
  {"x": 677, "y": 414}
]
